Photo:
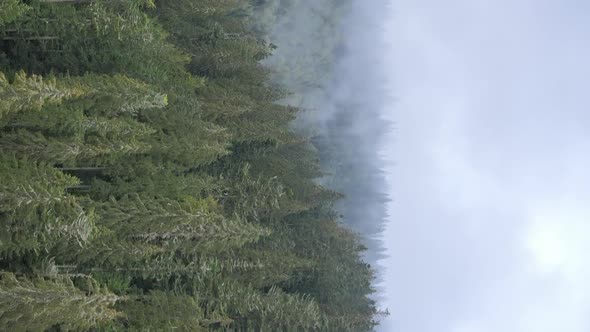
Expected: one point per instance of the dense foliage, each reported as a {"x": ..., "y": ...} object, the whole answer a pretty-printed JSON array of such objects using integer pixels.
[{"x": 149, "y": 179}]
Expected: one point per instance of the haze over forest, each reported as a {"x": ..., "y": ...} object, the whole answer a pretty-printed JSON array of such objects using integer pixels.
[{"x": 327, "y": 57}]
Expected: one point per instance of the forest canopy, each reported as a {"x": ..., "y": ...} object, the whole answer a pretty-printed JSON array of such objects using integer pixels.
[{"x": 150, "y": 179}]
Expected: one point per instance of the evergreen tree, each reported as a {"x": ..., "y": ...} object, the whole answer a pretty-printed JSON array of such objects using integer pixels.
[
  {"x": 70, "y": 120},
  {"x": 11, "y": 10},
  {"x": 126, "y": 95},
  {"x": 273, "y": 311},
  {"x": 31, "y": 93},
  {"x": 69, "y": 151},
  {"x": 35, "y": 211},
  {"x": 39, "y": 304},
  {"x": 184, "y": 138},
  {"x": 162, "y": 311},
  {"x": 253, "y": 198},
  {"x": 133, "y": 229},
  {"x": 191, "y": 225},
  {"x": 139, "y": 174},
  {"x": 201, "y": 10},
  {"x": 276, "y": 267}
]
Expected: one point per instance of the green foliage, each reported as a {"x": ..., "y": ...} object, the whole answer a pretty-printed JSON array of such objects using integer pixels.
[
  {"x": 38, "y": 304},
  {"x": 273, "y": 310},
  {"x": 11, "y": 10},
  {"x": 145, "y": 143},
  {"x": 31, "y": 93},
  {"x": 125, "y": 94},
  {"x": 189, "y": 226},
  {"x": 69, "y": 151},
  {"x": 139, "y": 174},
  {"x": 162, "y": 311},
  {"x": 35, "y": 210}
]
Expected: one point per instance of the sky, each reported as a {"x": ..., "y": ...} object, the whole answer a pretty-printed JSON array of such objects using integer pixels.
[{"x": 488, "y": 166}]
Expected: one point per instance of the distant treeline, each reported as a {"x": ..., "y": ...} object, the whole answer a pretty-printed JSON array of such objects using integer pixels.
[
  {"x": 149, "y": 180},
  {"x": 326, "y": 59}
]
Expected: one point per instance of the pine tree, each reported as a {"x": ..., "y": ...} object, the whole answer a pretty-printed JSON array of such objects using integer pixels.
[
  {"x": 275, "y": 267},
  {"x": 135, "y": 3},
  {"x": 340, "y": 281},
  {"x": 273, "y": 311},
  {"x": 134, "y": 229},
  {"x": 139, "y": 174},
  {"x": 126, "y": 95},
  {"x": 230, "y": 58},
  {"x": 69, "y": 151},
  {"x": 267, "y": 124},
  {"x": 191, "y": 225},
  {"x": 221, "y": 104},
  {"x": 70, "y": 120},
  {"x": 39, "y": 304},
  {"x": 184, "y": 138},
  {"x": 202, "y": 8},
  {"x": 35, "y": 210},
  {"x": 31, "y": 92},
  {"x": 162, "y": 311},
  {"x": 252, "y": 197},
  {"x": 11, "y": 10}
]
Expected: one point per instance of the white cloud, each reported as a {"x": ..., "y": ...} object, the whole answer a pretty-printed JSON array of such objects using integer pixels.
[
  {"x": 490, "y": 230},
  {"x": 558, "y": 240}
]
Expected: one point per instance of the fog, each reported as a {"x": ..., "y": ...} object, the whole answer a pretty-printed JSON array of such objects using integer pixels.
[
  {"x": 328, "y": 56},
  {"x": 475, "y": 201}
]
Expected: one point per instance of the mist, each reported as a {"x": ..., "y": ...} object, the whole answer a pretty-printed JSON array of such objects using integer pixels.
[{"x": 328, "y": 56}]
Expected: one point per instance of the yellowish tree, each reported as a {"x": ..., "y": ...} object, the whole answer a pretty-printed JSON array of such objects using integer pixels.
[{"x": 31, "y": 92}]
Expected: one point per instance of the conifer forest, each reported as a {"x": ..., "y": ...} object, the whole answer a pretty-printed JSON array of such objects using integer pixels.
[{"x": 158, "y": 174}]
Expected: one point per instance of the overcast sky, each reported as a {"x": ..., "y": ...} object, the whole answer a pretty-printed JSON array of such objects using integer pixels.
[{"x": 489, "y": 166}]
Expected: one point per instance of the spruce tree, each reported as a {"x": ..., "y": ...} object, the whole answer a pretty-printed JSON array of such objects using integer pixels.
[
  {"x": 272, "y": 311},
  {"x": 191, "y": 226},
  {"x": 39, "y": 304},
  {"x": 184, "y": 138},
  {"x": 32, "y": 92},
  {"x": 274, "y": 267},
  {"x": 134, "y": 229},
  {"x": 35, "y": 210},
  {"x": 69, "y": 151},
  {"x": 11, "y": 10},
  {"x": 124, "y": 94},
  {"x": 163, "y": 311},
  {"x": 139, "y": 174},
  {"x": 71, "y": 120},
  {"x": 253, "y": 197}
]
